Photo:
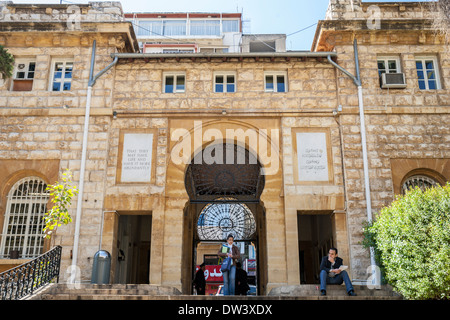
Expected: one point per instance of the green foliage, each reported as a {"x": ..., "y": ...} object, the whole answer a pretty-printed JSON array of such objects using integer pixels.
[
  {"x": 6, "y": 63},
  {"x": 62, "y": 194},
  {"x": 411, "y": 239}
]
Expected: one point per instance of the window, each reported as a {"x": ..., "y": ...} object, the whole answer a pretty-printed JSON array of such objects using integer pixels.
[
  {"x": 275, "y": 82},
  {"x": 224, "y": 82},
  {"x": 174, "y": 27},
  {"x": 161, "y": 28},
  {"x": 388, "y": 65},
  {"x": 427, "y": 73},
  {"x": 205, "y": 27},
  {"x": 23, "y": 224},
  {"x": 149, "y": 28},
  {"x": 174, "y": 83},
  {"x": 61, "y": 75},
  {"x": 421, "y": 181},
  {"x": 23, "y": 75},
  {"x": 230, "y": 25},
  {"x": 213, "y": 50},
  {"x": 218, "y": 220},
  {"x": 174, "y": 50}
]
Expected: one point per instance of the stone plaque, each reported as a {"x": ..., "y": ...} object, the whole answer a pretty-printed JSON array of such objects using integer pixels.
[
  {"x": 137, "y": 157},
  {"x": 312, "y": 156}
]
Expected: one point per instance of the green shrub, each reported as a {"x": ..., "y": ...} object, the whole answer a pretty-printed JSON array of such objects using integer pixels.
[{"x": 411, "y": 239}]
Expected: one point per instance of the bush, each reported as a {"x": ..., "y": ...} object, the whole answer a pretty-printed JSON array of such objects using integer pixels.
[{"x": 411, "y": 239}]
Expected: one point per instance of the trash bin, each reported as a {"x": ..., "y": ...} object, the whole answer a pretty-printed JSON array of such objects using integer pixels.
[{"x": 101, "y": 267}]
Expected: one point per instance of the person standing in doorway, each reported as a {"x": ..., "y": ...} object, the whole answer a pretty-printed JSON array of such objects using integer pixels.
[
  {"x": 228, "y": 249},
  {"x": 199, "y": 281},
  {"x": 241, "y": 280},
  {"x": 332, "y": 273}
]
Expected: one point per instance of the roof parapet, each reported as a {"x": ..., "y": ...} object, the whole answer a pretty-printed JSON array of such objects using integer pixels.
[{"x": 107, "y": 11}]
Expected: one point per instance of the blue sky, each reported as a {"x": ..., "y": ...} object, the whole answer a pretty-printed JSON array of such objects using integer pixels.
[{"x": 263, "y": 16}]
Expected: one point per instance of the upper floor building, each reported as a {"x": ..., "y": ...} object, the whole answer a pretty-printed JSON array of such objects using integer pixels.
[{"x": 191, "y": 32}]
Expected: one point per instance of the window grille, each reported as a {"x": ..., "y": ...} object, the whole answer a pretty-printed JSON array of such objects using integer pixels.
[
  {"x": 218, "y": 220},
  {"x": 420, "y": 181},
  {"x": 23, "y": 223}
]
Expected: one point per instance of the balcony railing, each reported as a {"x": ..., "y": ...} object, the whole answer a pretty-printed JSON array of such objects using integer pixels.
[{"x": 23, "y": 280}]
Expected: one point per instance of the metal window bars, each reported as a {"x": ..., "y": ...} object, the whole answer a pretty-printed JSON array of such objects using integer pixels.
[
  {"x": 23, "y": 224},
  {"x": 218, "y": 220},
  {"x": 23, "y": 280},
  {"x": 421, "y": 181}
]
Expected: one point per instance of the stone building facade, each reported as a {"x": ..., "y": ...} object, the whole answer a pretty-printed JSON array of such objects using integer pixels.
[{"x": 157, "y": 120}]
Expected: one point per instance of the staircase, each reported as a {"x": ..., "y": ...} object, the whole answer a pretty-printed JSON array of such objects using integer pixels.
[{"x": 154, "y": 292}]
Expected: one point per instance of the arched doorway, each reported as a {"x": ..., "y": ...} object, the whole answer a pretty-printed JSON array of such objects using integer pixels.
[{"x": 224, "y": 198}]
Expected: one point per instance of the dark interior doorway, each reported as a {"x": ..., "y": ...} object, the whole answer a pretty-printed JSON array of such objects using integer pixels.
[
  {"x": 134, "y": 243},
  {"x": 315, "y": 238}
]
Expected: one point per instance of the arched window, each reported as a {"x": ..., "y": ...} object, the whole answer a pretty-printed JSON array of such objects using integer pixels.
[
  {"x": 420, "y": 181},
  {"x": 23, "y": 223},
  {"x": 218, "y": 220}
]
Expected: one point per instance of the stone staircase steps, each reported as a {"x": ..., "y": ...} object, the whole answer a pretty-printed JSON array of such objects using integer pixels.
[{"x": 154, "y": 292}]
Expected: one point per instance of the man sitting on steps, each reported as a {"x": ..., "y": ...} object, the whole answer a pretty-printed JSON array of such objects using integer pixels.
[{"x": 331, "y": 272}]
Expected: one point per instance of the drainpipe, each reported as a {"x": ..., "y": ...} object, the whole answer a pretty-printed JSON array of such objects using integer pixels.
[
  {"x": 91, "y": 83},
  {"x": 357, "y": 81}
]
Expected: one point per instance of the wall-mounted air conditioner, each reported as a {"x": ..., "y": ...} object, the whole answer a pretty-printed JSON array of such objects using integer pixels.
[{"x": 393, "y": 80}]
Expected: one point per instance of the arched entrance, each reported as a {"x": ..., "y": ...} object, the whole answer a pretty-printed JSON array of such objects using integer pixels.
[{"x": 224, "y": 197}]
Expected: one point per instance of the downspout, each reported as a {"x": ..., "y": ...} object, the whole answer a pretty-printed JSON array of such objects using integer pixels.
[
  {"x": 91, "y": 83},
  {"x": 357, "y": 81}
]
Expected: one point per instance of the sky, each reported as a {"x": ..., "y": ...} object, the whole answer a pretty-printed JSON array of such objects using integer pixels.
[{"x": 295, "y": 18}]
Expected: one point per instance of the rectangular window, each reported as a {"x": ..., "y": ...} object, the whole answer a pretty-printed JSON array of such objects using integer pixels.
[
  {"x": 161, "y": 28},
  {"x": 427, "y": 73},
  {"x": 23, "y": 75},
  {"x": 205, "y": 27},
  {"x": 174, "y": 50},
  {"x": 388, "y": 65},
  {"x": 149, "y": 28},
  {"x": 174, "y": 28},
  {"x": 174, "y": 83},
  {"x": 275, "y": 82},
  {"x": 230, "y": 25},
  {"x": 224, "y": 82},
  {"x": 61, "y": 75}
]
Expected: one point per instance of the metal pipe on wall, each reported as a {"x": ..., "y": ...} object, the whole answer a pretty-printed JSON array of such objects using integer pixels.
[
  {"x": 357, "y": 81},
  {"x": 91, "y": 83}
]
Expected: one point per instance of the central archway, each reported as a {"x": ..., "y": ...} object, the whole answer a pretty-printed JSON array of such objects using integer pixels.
[
  {"x": 224, "y": 183},
  {"x": 224, "y": 170}
]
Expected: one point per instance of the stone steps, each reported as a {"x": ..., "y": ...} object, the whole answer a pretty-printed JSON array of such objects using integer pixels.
[{"x": 154, "y": 292}]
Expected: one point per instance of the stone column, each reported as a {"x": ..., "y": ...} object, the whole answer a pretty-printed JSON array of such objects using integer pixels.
[{"x": 340, "y": 235}]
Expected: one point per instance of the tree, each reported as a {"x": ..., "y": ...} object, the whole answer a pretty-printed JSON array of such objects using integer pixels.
[
  {"x": 412, "y": 243},
  {"x": 62, "y": 194},
  {"x": 6, "y": 63}
]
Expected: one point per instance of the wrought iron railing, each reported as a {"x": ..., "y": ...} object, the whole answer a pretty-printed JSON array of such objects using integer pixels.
[{"x": 23, "y": 280}]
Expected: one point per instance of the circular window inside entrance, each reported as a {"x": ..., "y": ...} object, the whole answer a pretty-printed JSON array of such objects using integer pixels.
[{"x": 218, "y": 220}]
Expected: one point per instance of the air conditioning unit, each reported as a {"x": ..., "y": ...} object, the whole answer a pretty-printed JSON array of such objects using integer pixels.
[{"x": 393, "y": 80}]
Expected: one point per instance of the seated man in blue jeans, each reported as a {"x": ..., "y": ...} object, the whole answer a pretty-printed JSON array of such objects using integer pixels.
[{"x": 331, "y": 274}]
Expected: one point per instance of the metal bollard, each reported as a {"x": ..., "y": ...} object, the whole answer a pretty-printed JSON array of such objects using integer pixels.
[{"x": 101, "y": 267}]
